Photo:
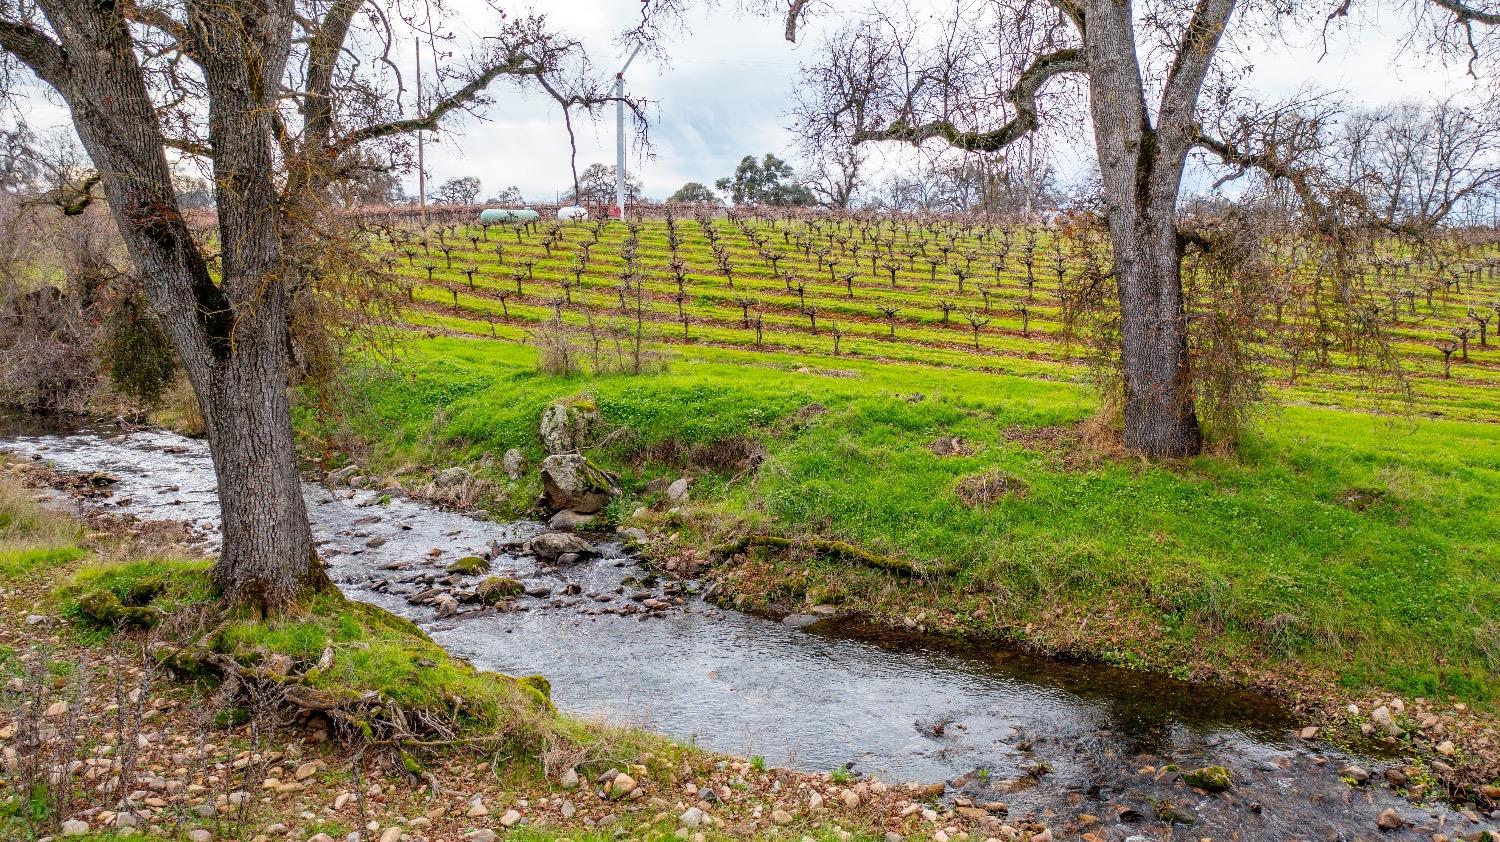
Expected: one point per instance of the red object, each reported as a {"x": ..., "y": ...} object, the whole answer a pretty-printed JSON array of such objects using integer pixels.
[{"x": 614, "y": 211}]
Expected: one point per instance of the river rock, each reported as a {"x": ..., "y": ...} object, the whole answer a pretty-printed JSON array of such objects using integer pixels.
[
  {"x": 1389, "y": 819},
  {"x": 513, "y": 463},
  {"x": 342, "y": 475},
  {"x": 553, "y": 546},
  {"x": 567, "y": 519},
  {"x": 1209, "y": 778},
  {"x": 569, "y": 481},
  {"x": 691, "y": 818},
  {"x": 447, "y": 606},
  {"x": 471, "y": 565},
  {"x": 677, "y": 492},
  {"x": 1382, "y": 717},
  {"x": 567, "y": 426},
  {"x": 510, "y": 819},
  {"x": 451, "y": 477},
  {"x": 497, "y": 589},
  {"x": 75, "y": 827},
  {"x": 1355, "y": 773},
  {"x": 621, "y": 786}
]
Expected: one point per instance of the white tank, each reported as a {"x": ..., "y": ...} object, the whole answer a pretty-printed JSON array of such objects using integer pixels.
[{"x": 573, "y": 213}]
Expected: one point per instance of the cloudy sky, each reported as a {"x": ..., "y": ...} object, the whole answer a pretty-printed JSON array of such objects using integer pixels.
[{"x": 724, "y": 90}]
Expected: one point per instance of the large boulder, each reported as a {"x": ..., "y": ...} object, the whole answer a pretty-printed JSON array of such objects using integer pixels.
[
  {"x": 568, "y": 425},
  {"x": 569, "y": 481}
]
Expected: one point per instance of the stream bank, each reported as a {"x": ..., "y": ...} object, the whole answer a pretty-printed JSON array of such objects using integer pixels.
[{"x": 1091, "y": 748}]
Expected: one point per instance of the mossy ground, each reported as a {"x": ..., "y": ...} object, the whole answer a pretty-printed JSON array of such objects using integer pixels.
[{"x": 1335, "y": 549}]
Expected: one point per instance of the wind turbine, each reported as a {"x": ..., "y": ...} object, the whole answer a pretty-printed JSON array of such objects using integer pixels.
[{"x": 620, "y": 132}]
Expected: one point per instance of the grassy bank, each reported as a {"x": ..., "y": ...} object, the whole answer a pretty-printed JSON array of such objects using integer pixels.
[{"x": 1337, "y": 548}]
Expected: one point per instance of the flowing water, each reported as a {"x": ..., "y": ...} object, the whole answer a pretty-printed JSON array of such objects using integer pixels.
[{"x": 1048, "y": 737}]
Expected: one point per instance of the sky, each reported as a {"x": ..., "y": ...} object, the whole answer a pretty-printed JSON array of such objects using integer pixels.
[{"x": 725, "y": 87}]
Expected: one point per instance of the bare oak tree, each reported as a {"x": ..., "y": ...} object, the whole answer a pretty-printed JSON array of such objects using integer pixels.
[
  {"x": 980, "y": 78},
  {"x": 282, "y": 100}
]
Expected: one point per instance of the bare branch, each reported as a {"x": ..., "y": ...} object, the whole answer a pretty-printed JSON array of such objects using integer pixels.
[
  {"x": 37, "y": 51},
  {"x": 1022, "y": 96}
]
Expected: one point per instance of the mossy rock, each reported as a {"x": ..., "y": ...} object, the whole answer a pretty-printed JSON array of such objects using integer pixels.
[
  {"x": 471, "y": 565},
  {"x": 538, "y": 684},
  {"x": 498, "y": 589},
  {"x": 104, "y": 607},
  {"x": 1210, "y": 778}
]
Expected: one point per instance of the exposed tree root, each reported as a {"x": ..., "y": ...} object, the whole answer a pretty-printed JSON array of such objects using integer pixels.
[{"x": 365, "y": 715}]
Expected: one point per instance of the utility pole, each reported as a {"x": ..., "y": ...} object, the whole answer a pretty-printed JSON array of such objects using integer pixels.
[
  {"x": 421, "y": 158},
  {"x": 620, "y": 133}
]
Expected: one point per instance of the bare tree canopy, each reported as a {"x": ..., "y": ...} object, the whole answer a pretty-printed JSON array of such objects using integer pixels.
[
  {"x": 282, "y": 101},
  {"x": 1155, "y": 79}
]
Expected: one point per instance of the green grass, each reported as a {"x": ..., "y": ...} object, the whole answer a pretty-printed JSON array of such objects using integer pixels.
[
  {"x": 32, "y": 537},
  {"x": 1337, "y": 545}
]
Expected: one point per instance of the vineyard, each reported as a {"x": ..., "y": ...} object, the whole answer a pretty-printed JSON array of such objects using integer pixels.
[{"x": 943, "y": 292}]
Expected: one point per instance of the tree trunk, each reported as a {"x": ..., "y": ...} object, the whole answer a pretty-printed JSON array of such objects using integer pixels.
[
  {"x": 1159, "y": 414},
  {"x": 1141, "y": 167},
  {"x": 230, "y": 334},
  {"x": 267, "y": 558}
]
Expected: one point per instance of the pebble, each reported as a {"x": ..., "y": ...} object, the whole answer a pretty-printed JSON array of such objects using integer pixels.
[
  {"x": 199, "y": 835},
  {"x": 1389, "y": 819},
  {"x": 476, "y": 808},
  {"x": 75, "y": 827},
  {"x": 850, "y": 798},
  {"x": 781, "y": 817},
  {"x": 320, "y": 837},
  {"x": 390, "y": 834},
  {"x": 485, "y": 835},
  {"x": 510, "y": 819},
  {"x": 569, "y": 779},
  {"x": 692, "y": 817}
]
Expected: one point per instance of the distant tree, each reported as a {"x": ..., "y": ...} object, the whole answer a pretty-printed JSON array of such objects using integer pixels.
[
  {"x": 1007, "y": 184},
  {"x": 193, "y": 192},
  {"x": 769, "y": 181},
  {"x": 836, "y": 174},
  {"x": 459, "y": 191},
  {"x": 18, "y": 163},
  {"x": 509, "y": 196},
  {"x": 596, "y": 185},
  {"x": 370, "y": 182},
  {"x": 693, "y": 193}
]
